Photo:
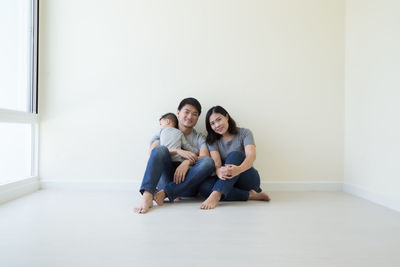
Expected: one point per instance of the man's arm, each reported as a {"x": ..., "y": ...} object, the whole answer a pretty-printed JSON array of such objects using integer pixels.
[
  {"x": 204, "y": 152},
  {"x": 155, "y": 140},
  {"x": 153, "y": 145},
  {"x": 182, "y": 169},
  {"x": 180, "y": 172}
]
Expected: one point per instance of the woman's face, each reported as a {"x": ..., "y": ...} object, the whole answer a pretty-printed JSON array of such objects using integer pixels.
[{"x": 219, "y": 123}]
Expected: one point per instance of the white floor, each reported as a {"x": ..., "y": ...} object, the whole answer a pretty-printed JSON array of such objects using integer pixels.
[{"x": 66, "y": 228}]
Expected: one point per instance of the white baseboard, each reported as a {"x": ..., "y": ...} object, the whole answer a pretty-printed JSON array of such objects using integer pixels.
[
  {"x": 18, "y": 189},
  {"x": 302, "y": 186},
  {"x": 94, "y": 185},
  {"x": 391, "y": 203},
  {"x": 134, "y": 185}
]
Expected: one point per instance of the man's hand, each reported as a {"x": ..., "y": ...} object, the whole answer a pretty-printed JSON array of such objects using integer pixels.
[
  {"x": 187, "y": 155},
  {"x": 181, "y": 171}
]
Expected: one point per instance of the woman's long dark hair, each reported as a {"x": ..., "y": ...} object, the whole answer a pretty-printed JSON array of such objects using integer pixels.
[{"x": 213, "y": 136}]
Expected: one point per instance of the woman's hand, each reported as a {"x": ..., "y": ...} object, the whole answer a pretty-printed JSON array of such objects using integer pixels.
[
  {"x": 222, "y": 172},
  {"x": 180, "y": 172},
  {"x": 233, "y": 170},
  {"x": 225, "y": 172},
  {"x": 187, "y": 155}
]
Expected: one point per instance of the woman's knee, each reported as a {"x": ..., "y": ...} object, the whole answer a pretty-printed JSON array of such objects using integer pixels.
[
  {"x": 249, "y": 180},
  {"x": 235, "y": 157}
]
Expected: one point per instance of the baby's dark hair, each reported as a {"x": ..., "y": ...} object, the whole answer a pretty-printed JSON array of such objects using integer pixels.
[{"x": 172, "y": 117}]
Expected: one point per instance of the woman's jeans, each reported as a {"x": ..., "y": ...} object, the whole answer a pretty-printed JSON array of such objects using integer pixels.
[
  {"x": 237, "y": 188},
  {"x": 160, "y": 172}
]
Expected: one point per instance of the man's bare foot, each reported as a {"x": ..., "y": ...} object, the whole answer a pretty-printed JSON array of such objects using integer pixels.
[
  {"x": 159, "y": 197},
  {"x": 212, "y": 201},
  {"x": 253, "y": 195},
  {"x": 145, "y": 204}
]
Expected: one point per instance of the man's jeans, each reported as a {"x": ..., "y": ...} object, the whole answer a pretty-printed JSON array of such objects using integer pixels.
[
  {"x": 237, "y": 188},
  {"x": 160, "y": 171}
]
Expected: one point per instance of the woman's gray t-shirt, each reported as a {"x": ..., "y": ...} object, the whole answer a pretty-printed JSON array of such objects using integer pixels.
[{"x": 243, "y": 138}]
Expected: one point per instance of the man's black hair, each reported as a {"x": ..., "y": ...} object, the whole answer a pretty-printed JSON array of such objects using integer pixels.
[{"x": 190, "y": 101}]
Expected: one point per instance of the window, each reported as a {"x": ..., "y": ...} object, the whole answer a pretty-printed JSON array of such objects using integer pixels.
[{"x": 18, "y": 89}]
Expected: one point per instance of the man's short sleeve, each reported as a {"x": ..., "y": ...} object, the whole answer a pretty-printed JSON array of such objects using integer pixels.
[{"x": 201, "y": 143}]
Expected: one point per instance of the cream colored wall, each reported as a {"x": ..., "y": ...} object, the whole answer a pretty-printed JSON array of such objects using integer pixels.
[
  {"x": 372, "y": 97},
  {"x": 109, "y": 69}
]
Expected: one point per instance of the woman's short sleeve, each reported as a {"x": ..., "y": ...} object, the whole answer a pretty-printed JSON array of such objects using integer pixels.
[
  {"x": 247, "y": 137},
  {"x": 213, "y": 147}
]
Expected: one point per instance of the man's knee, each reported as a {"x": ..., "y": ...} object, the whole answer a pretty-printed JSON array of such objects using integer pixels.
[
  {"x": 207, "y": 163},
  {"x": 160, "y": 151}
]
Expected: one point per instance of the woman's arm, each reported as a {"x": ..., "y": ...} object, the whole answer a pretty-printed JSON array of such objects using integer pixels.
[
  {"x": 250, "y": 151},
  {"x": 221, "y": 171},
  {"x": 217, "y": 159}
]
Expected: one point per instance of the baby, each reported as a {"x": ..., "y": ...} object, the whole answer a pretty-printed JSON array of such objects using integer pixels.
[{"x": 172, "y": 137}]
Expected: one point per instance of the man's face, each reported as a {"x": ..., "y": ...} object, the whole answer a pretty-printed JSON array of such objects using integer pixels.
[{"x": 188, "y": 116}]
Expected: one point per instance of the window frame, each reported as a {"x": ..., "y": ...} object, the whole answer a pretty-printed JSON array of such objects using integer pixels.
[{"x": 31, "y": 115}]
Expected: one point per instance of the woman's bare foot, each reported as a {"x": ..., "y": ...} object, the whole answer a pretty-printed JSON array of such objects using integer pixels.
[
  {"x": 145, "y": 204},
  {"x": 253, "y": 195},
  {"x": 212, "y": 201},
  {"x": 159, "y": 197}
]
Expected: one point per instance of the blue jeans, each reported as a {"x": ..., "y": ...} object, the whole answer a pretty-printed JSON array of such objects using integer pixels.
[
  {"x": 237, "y": 188},
  {"x": 160, "y": 171}
]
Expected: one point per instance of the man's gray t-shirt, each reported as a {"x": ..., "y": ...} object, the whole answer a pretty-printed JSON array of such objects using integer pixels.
[
  {"x": 243, "y": 138},
  {"x": 195, "y": 141}
]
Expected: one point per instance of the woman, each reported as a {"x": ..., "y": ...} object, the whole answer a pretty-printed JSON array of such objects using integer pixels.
[{"x": 233, "y": 151}]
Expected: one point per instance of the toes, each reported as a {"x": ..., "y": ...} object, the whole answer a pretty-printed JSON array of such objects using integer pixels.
[
  {"x": 207, "y": 206},
  {"x": 144, "y": 210}
]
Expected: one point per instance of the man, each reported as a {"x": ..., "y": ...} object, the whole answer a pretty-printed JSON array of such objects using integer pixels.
[{"x": 177, "y": 178}]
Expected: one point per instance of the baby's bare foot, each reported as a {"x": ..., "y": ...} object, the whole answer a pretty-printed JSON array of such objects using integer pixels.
[
  {"x": 145, "y": 204},
  {"x": 212, "y": 201}
]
